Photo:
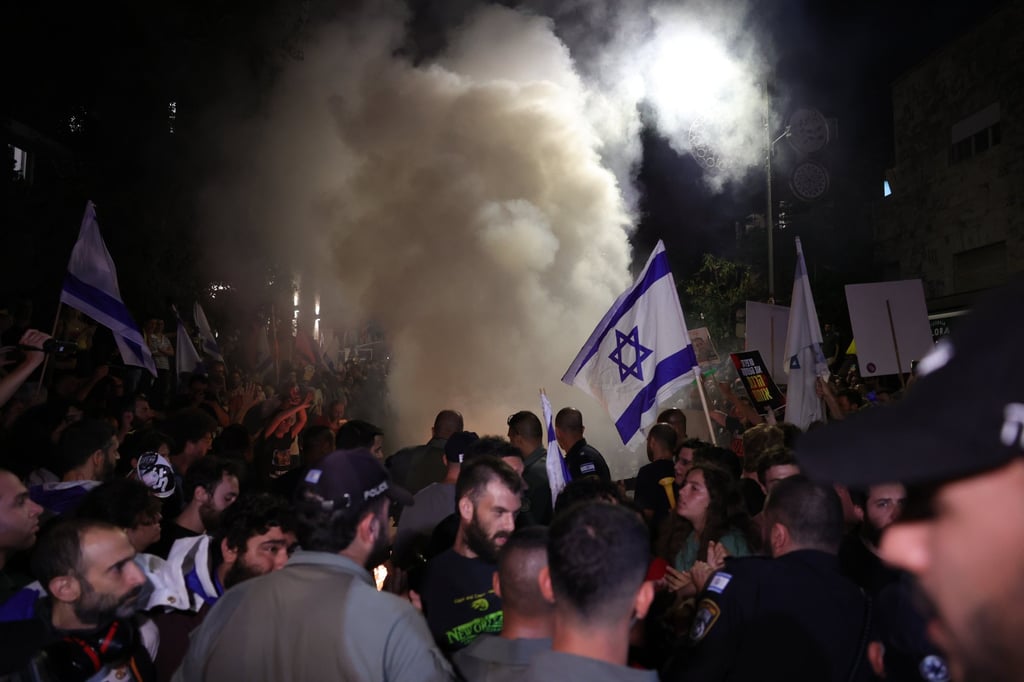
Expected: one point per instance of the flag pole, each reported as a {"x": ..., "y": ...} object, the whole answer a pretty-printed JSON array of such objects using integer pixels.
[
  {"x": 704, "y": 402},
  {"x": 46, "y": 358},
  {"x": 274, "y": 349},
  {"x": 895, "y": 345}
]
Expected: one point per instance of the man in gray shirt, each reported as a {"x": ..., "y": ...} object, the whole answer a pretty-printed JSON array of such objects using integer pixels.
[
  {"x": 529, "y": 617},
  {"x": 321, "y": 617},
  {"x": 597, "y": 565},
  {"x": 432, "y": 504}
]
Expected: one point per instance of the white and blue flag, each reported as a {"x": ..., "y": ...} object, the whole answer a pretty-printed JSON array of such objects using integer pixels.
[
  {"x": 558, "y": 472},
  {"x": 91, "y": 288},
  {"x": 640, "y": 353},
  {"x": 210, "y": 347},
  {"x": 186, "y": 358},
  {"x": 806, "y": 361}
]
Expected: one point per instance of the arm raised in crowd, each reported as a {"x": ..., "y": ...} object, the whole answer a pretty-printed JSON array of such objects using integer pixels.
[
  {"x": 300, "y": 418},
  {"x": 10, "y": 384},
  {"x": 824, "y": 391}
]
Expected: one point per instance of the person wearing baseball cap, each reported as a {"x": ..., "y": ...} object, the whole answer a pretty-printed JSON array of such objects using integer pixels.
[
  {"x": 321, "y": 616},
  {"x": 957, "y": 442}
]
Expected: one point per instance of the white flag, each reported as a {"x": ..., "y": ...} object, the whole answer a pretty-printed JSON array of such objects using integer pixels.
[
  {"x": 806, "y": 362},
  {"x": 640, "y": 353},
  {"x": 186, "y": 358},
  {"x": 91, "y": 287},
  {"x": 558, "y": 472},
  {"x": 210, "y": 347}
]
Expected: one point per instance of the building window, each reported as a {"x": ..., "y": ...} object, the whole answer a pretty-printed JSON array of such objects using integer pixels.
[
  {"x": 975, "y": 134},
  {"x": 20, "y": 162}
]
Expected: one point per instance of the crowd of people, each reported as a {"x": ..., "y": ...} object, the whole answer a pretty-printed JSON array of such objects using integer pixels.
[{"x": 219, "y": 532}]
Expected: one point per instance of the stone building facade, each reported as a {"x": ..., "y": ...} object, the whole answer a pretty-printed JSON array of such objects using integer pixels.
[{"x": 955, "y": 217}]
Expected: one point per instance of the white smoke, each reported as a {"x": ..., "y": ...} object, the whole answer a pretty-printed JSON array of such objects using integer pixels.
[{"x": 475, "y": 205}]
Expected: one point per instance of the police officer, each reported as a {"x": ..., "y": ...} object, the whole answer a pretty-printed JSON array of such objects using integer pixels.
[
  {"x": 582, "y": 460},
  {"x": 790, "y": 617}
]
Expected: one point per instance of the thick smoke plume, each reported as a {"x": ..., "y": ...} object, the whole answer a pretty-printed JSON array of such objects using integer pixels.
[{"x": 475, "y": 204}]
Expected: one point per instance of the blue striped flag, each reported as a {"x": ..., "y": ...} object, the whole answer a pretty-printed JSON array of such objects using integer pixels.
[
  {"x": 640, "y": 353},
  {"x": 210, "y": 347},
  {"x": 558, "y": 472},
  {"x": 91, "y": 287}
]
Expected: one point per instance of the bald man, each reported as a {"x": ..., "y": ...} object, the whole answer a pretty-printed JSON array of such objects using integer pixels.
[
  {"x": 415, "y": 468},
  {"x": 581, "y": 459},
  {"x": 528, "y": 618}
]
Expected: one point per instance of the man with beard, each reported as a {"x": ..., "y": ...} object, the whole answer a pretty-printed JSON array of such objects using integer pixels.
[
  {"x": 957, "y": 442},
  {"x": 321, "y": 617},
  {"x": 86, "y": 457},
  {"x": 91, "y": 591},
  {"x": 211, "y": 486},
  {"x": 878, "y": 508},
  {"x": 457, "y": 590},
  {"x": 256, "y": 536}
]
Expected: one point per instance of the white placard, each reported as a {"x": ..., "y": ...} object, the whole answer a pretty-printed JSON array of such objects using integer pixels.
[
  {"x": 872, "y": 306},
  {"x": 766, "y": 333}
]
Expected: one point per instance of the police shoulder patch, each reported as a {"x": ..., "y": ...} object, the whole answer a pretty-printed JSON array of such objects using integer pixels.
[
  {"x": 719, "y": 582},
  {"x": 707, "y": 615}
]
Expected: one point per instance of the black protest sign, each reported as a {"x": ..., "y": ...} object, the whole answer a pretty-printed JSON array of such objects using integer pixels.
[{"x": 759, "y": 384}]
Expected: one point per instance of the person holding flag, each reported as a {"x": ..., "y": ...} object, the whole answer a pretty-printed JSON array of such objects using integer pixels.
[
  {"x": 640, "y": 353},
  {"x": 90, "y": 287}
]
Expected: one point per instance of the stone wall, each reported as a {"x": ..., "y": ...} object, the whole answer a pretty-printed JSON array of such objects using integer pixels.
[{"x": 954, "y": 218}]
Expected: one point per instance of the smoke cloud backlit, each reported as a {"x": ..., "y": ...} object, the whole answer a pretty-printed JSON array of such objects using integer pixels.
[{"x": 478, "y": 204}]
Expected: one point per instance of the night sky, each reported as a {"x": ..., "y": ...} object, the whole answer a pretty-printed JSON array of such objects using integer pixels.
[{"x": 115, "y": 59}]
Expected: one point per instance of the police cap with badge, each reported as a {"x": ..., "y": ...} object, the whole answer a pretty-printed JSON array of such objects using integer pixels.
[
  {"x": 955, "y": 421},
  {"x": 348, "y": 480}
]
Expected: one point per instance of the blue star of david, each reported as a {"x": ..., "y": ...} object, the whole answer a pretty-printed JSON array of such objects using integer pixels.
[{"x": 640, "y": 354}]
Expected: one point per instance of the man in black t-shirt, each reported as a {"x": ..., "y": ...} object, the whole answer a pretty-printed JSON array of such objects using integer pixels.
[
  {"x": 655, "y": 482},
  {"x": 879, "y": 507},
  {"x": 457, "y": 591}
]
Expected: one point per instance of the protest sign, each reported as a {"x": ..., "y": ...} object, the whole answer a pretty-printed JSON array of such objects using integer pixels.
[{"x": 759, "y": 384}]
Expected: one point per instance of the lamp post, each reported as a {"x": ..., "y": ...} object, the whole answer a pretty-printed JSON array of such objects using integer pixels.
[{"x": 769, "y": 222}]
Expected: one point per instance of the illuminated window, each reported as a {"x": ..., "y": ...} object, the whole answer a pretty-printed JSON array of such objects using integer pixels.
[{"x": 20, "y": 162}]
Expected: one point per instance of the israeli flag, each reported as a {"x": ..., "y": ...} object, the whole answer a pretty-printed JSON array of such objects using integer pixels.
[
  {"x": 640, "y": 353},
  {"x": 91, "y": 288},
  {"x": 210, "y": 347},
  {"x": 558, "y": 472}
]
